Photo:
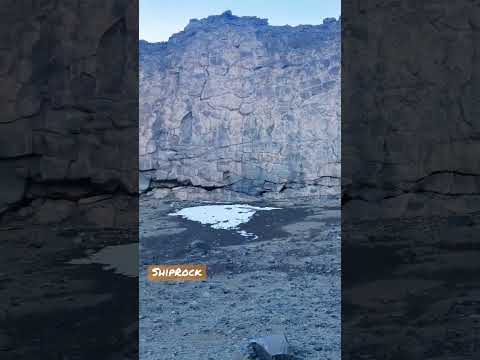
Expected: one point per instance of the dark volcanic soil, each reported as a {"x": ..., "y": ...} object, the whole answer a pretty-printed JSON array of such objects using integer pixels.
[{"x": 286, "y": 280}]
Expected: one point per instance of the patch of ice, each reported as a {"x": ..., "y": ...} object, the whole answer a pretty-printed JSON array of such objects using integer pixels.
[{"x": 227, "y": 217}]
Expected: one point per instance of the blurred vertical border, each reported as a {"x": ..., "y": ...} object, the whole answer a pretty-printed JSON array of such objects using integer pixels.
[
  {"x": 69, "y": 178},
  {"x": 410, "y": 179}
]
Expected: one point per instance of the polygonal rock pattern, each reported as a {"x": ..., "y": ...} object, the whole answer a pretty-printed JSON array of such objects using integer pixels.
[
  {"x": 236, "y": 103},
  {"x": 68, "y": 128}
]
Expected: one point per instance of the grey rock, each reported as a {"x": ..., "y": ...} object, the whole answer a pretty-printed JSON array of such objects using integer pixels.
[
  {"x": 233, "y": 102},
  {"x": 143, "y": 183},
  {"x": 160, "y": 193},
  {"x": 272, "y": 347}
]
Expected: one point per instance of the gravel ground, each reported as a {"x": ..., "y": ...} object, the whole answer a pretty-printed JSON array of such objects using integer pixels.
[{"x": 287, "y": 280}]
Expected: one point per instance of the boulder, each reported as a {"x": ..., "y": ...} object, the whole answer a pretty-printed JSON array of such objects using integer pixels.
[{"x": 272, "y": 347}]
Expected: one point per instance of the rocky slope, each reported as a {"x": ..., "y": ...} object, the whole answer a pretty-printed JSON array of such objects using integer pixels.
[
  {"x": 234, "y": 103},
  {"x": 285, "y": 281}
]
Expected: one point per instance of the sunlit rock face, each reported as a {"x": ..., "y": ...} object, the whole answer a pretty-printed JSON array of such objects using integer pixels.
[{"x": 234, "y": 103}]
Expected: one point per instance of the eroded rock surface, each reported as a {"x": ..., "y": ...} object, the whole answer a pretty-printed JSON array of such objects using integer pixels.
[
  {"x": 68, "y": 129},
  {"x": 232, "y": 102},
  {"x": 68, "y": 163}
]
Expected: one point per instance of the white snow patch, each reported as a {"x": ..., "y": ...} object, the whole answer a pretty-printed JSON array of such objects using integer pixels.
[{"x": 227, "y": 217}]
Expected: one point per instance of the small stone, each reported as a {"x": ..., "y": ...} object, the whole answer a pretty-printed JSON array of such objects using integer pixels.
[
  {"x": 199, "y": 244},
  {"x": 143, "y": 183}
]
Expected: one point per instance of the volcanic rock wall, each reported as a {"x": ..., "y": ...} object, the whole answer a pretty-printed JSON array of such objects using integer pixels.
[
  {"x": 411, "y": 128},
  {"x": 234, "y": 103},
  {"x": 69, "y": 111}
]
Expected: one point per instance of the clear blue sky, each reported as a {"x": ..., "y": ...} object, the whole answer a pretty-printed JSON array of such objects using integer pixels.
[{"x": 159, "y": 19}]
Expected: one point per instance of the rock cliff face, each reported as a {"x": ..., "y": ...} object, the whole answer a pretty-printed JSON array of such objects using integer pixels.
[
  {"x": 69, "y": 113},
  {"x": 234, "y": 103}
]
